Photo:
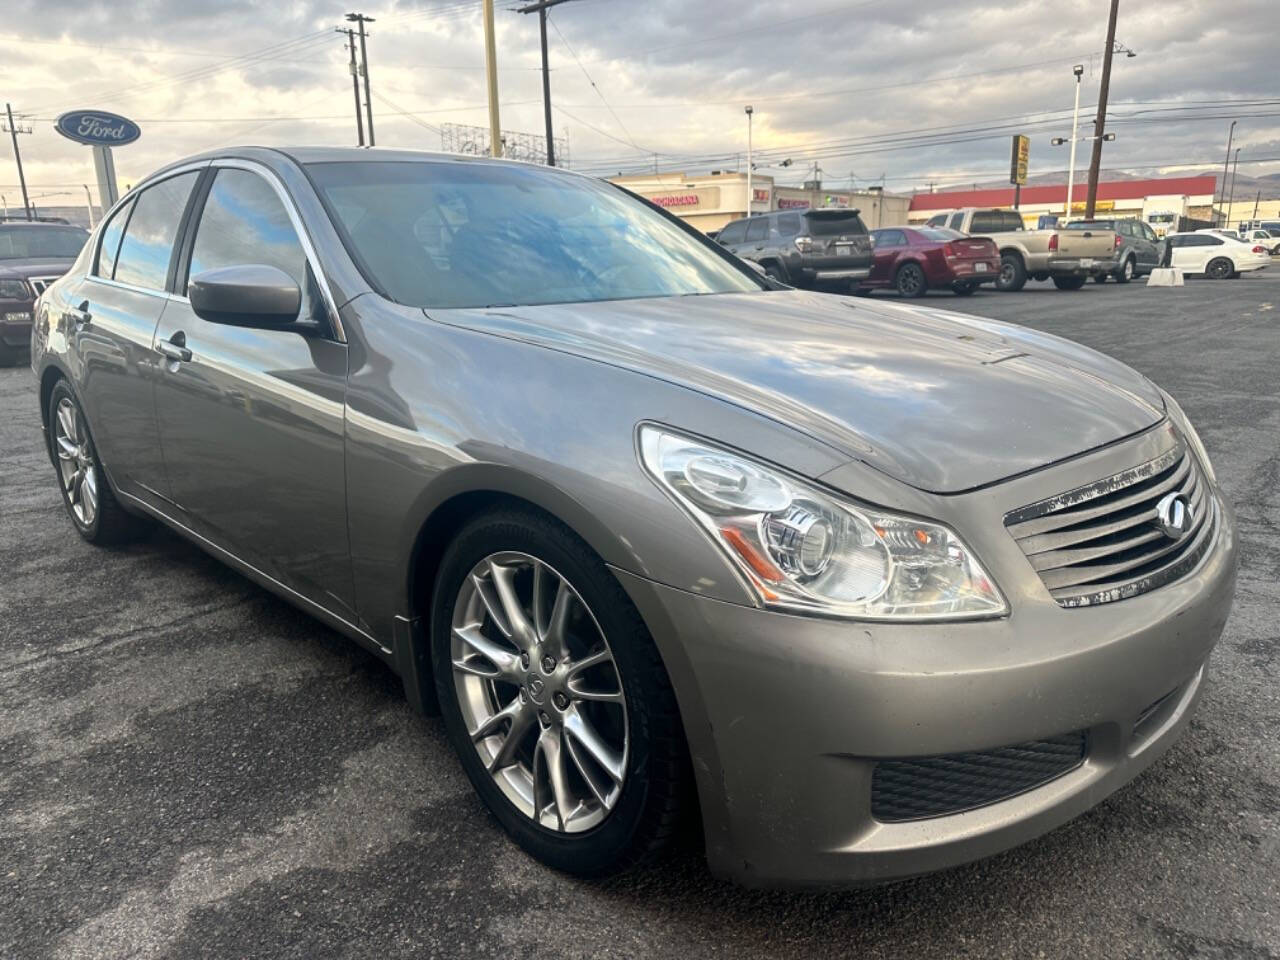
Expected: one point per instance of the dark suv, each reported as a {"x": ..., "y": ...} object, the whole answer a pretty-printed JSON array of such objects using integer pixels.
[
  {"x": 803, "y": 247},
  {"x": 1137, "y": 247},
  {"x": 32, "y": 256}
]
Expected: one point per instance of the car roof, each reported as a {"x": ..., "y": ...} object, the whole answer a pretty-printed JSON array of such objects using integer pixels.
[{"x": 40, "y": 224}]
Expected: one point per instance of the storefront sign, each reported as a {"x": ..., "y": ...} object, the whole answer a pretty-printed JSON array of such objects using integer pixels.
[
  {"x": 675, "y": 200},
  {"x": 97, "y": 128},
  {"x": 786, "y": 203},
  {"x": 760, "y": 196},
  {"x": 1020, "y": 158}
]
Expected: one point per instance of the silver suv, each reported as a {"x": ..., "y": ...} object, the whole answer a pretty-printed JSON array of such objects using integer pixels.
[{"x": 804, "y": 247}]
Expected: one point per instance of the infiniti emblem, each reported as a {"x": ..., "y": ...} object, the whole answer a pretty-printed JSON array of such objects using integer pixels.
[
  {"x": 1173, "y": 516},
  {"x": 537, "y": 687}
]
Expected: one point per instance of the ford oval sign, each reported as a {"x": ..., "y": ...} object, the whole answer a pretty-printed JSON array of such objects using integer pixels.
[{"x": 97, "y": 128}]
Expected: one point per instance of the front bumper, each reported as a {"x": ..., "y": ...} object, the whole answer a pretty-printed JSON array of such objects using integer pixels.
[
  {"x": 15, "y": 322},
  {"x": 787, "y": 717}
]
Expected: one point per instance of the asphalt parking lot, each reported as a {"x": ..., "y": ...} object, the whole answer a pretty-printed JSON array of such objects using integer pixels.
[{"x": 191, "y": 768}]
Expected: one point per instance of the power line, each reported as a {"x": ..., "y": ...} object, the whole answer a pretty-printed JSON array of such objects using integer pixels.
[{"x": 612, "y": 113}]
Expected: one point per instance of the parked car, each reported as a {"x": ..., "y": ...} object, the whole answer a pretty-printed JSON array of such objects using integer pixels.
[
  {"x": 804, "y": 247},
  {"x": 32, "y": 255},
  {"x": 1137, "y": 247},
  {"x": 874, "y": 589},
  {"x": 1271, "y": 226},
  {"x": 1034, "y": 254},
  {"x": 1266, "y": 238},
  {"x": 1209, "y": 253},
  {"x": 913, "y": 260}
]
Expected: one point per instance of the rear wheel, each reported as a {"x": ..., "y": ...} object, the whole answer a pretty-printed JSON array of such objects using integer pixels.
[
  {"x": 1069, "y": 283},
  {"x": 86, "y": 493},
  {"x": 1125, "y": 273},
  {"x": 1219, "y": 268},
  {"x": 909, "y": 281},
  {"x": 1013, "y": 273},
  {"x": 554, "y": 696}
]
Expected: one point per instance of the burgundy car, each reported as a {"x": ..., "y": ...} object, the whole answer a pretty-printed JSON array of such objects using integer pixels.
[{"x": 911, "y": 260}]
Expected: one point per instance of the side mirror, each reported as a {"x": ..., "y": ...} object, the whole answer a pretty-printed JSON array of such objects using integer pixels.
[{"x": 248, "y": 295}]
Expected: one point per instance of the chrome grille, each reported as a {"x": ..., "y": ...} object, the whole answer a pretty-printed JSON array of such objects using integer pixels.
[
  {"x": 1101, "y": 542},
  {"x": 40, "y": 284}
]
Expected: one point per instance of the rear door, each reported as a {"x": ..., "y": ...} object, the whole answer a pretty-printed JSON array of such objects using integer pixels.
[
  {"x": 757, "y": 237},
  {"x": 1146, "y": 244},
  {"x": 117, "y": 307},
  {"x": 251, "y": 420}
]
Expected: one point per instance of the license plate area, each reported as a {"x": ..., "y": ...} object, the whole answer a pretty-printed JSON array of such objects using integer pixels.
[{"x": 979, "y": 268}]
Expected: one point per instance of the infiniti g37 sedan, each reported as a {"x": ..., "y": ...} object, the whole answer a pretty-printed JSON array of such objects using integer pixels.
[{"x": 870, "y": 589}]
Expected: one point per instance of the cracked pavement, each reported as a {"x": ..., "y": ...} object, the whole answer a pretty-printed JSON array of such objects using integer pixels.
[{"x": 190, "y": 767}]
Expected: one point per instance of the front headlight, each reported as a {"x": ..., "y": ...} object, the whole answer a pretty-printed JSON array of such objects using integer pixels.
[
  {"x": 802, "y": 549},
  {"x": 14, "y": 290},
  {"x": 1179, "y": 418}
]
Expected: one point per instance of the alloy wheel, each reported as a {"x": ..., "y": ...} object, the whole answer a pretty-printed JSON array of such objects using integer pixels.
[
  {"x": 539, "y": 692},
  {"x": 1220, "y": 268},
  {"x": 76, "y": 465}
]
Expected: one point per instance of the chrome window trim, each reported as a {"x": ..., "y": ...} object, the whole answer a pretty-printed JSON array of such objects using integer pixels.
[
  {"x": 107, "y": 217},
  {"x": 304, "y": 238},
  {"x": 132, "y": 288}
]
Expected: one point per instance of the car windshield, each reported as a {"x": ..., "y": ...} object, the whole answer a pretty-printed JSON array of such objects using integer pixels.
[
  {"x": 34, "y": 243},
  {"x": 472, "y": 234}
]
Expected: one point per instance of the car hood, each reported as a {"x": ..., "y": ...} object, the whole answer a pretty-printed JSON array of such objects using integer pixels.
[
  {"x": 45, "y": 267},
  {"x": 942, "y": 401}
]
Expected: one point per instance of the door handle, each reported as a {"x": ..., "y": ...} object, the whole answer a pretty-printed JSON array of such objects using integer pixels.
[{"x": 175, "y": 348}]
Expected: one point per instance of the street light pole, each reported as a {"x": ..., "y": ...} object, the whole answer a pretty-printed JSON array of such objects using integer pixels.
[
  {"x": 1078, "y": 69},
  {"x": 1225, "y": 160},
  {"x": 1231, "y": 200},
  {"x": 750, "y": 194}
]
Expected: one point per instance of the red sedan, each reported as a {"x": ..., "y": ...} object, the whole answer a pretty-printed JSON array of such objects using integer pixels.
[{"x": 911, "y": 260}]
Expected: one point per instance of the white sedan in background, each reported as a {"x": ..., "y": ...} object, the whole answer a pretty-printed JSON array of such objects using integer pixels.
[{"x": 1215, "y": 255}]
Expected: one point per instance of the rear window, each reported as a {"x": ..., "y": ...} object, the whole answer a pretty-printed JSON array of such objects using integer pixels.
[
  {"x": 1090, "y": 225},
  {"x": 995, "y": 221},
  {"x": 824, "y": 223},
  {"x": 940, "y": 234}
]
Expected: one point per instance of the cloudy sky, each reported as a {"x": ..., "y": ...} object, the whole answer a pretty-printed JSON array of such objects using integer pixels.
[{"x": 909, "y": 90}]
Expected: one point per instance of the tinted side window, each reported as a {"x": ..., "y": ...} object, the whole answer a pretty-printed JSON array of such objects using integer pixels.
[
  {"x": 734, "y": 232},
  {"x": 1148, "y": 232},
  {"x": 890, "y": 238},
  {"x": 937, "y": 220},
  {"x": 985, "y": 221},
  {"x": 789, "y": 224},
  {"x": 1012, "y": 221},
  {"x": 957, "y": 221},
  {"x": 245, "y": 222},
  {"x": 758, "y": 228},
  {"x": 111, "y": 235},
  {"x": 148, "y": 239}
]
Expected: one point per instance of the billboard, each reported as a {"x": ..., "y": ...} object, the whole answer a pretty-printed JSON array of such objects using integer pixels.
[{"x": 1019, "y": 159}]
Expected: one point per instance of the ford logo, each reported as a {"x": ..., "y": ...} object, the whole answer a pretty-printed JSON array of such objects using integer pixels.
[
  {"x": 1174, "y": 516},
  {"x": 97, "y": 128}
]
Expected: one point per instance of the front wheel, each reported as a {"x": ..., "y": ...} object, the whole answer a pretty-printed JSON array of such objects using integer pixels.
[
  {"x": 554, "y": 696},
  {"x": 1013, "y": 273},
  {"x": 1069, "y": 283},
  {"x": 909, "y": 281},
  {"x": 1219, "y": 268}
]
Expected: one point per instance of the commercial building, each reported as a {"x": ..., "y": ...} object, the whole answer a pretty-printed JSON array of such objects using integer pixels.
[
  {"x": 1180, "y": 196},
  {"x": 709, "y": 201}
]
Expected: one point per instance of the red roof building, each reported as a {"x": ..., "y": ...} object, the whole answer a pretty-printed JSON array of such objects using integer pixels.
[{"x": 1198, "y": 190}]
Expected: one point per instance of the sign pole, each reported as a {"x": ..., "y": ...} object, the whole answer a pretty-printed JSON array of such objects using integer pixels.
[{"x": 105, "y": 167}]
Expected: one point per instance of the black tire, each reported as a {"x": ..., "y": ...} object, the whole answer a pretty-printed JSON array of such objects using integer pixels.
[
  {"x": 909, "y": 281},
  {"x": 657, "y": 790},
  {"x": 963, "y": 288},
  {"x": 1069, "y": 283},
  {"x": 1126, "y": 271},
  {"x": 1219, "y": 268},
  {"x": 1100, "y": 277},
  {"x": 110, "y": 523},
  {"x": 775, "y": 272},
  {"x": 1013, "y": 273}
]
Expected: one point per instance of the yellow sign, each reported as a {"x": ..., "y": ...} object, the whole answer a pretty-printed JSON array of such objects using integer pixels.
[
  {"x": 1098, "y": 205},
  {"x": 1019, "y": 160}
]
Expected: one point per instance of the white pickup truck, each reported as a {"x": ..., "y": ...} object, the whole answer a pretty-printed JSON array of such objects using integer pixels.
[{"x": 1068, "y": 257}]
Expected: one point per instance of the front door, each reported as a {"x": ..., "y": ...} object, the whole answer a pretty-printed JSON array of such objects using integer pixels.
[
  {"x": 251, "y": 420},
  {"x": 884, "y": 255}
]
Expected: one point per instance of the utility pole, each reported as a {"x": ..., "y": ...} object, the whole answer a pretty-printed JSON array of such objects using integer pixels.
[
  {"x": 491, "y": 74},
  {"x": 1225, "y": 161},
  {"x": 355, "y": 82},
  {"x": 541, "y": 8},
  {"x": 1231, "y": 201},
  {"x": 17, "y": 156},
  {"x": 360, "y": 20},
  {"x": 1095, "y": 163}
]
